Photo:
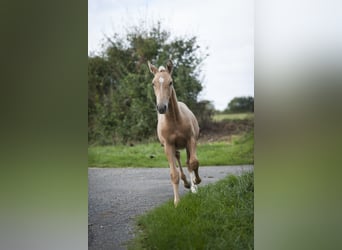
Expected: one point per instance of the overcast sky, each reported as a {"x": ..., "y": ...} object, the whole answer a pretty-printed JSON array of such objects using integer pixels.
[{"x": 226, "y": 27}]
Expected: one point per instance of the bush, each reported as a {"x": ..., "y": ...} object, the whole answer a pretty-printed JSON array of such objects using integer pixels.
[
  {"x": 121, "y": 103},
  {"x": 240, "y": 104}
]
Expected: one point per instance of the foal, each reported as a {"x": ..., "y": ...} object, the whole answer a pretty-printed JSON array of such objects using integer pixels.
[{"x": 177, "y": 129}]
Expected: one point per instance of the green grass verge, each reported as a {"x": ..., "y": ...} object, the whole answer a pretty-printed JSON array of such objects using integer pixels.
[
  {"x": 229, "y": 117},
  {"x": 239, "y": 151},
  {"x": 219, "y": 216}
]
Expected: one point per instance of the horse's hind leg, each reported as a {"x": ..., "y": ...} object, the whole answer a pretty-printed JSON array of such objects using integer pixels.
[
  {"x": 183, "y": 177},
  {"x": 193, "y": 165}
]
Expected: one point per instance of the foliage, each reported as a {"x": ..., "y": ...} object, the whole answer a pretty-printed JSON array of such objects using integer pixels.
[
  {"x": 219, "y": 216},
  {"x": 240, "y": 104},
  {"x": 204, "y": 111},
  {"x": 239, "y": 151},
  {"x": 121, "y": 103}
]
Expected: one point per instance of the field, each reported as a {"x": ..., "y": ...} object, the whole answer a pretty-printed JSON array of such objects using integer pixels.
[
  {"x": 230, "y": 117},
  {"x": 219, "y": 216},
  {"x": 238, "y": 150},
  {"x": 227, "y": 141}
]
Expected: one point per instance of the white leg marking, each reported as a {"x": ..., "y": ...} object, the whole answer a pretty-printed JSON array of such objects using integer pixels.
[{"x": 192, "y": 181}]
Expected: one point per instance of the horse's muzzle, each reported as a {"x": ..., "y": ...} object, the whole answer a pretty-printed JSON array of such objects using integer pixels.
[{"x": 161, "y": 108}]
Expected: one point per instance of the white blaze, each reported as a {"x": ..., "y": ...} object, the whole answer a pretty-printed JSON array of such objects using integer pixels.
[{"x": 161, "y": 80}]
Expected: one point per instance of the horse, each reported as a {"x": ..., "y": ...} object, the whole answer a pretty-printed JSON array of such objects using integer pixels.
[{"x": 177, "y": 129}]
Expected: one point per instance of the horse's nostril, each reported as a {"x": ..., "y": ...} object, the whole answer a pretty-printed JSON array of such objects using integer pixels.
[{"x": 161, "y": 108}]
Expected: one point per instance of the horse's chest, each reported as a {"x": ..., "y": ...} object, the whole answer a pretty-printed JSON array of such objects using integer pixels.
[
  {"x": 174, "y": 136},
  {"x": 179, "y": 140}
]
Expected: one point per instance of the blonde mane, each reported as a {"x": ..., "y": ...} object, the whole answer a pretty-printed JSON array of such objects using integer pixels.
[{"x": 161, "y": 69}]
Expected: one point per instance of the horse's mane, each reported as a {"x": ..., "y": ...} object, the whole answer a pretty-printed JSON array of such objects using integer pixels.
[{"x": 161, "y": 69}]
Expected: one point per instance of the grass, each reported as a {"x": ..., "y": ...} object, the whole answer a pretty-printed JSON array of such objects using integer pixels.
[
  {"x": 230, "y": 117},
  {"x": 238, "y": 151},
  {"x": 219, "y": 216}
]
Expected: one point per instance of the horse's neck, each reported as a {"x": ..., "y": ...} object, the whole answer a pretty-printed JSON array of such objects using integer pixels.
[{"x": 173, "y": 113}]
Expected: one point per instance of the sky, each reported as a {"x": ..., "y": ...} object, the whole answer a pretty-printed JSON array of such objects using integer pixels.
[{"x": 225, "y": 27}]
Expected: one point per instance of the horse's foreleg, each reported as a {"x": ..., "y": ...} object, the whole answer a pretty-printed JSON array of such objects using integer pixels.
[
  {"x": 170, "y": 154},
  {"x": 183, "y": 177}
]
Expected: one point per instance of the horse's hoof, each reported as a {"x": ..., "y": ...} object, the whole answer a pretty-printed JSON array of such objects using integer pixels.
[
  {"x": 187, "y": 185},
  {"x": 194, "y": 189},
  {"x": 198, "y": 180}
]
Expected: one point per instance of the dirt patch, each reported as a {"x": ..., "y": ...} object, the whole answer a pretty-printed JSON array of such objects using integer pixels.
[{"x": 223, "y": 131}]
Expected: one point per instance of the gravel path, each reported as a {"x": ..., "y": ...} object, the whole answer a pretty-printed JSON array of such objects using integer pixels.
[{"x": 117, "y": 195}]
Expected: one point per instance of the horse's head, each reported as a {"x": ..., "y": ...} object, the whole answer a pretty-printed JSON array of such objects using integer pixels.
[{"x": 162, "y": 85}]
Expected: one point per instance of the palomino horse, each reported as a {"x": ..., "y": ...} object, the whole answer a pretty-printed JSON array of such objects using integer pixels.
[{"x": 177, "y": 129}]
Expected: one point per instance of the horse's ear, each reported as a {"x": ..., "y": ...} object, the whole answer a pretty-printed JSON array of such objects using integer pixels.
[
  {"x": 169, "y": 66},
  {"x": 152, "y": 68}
]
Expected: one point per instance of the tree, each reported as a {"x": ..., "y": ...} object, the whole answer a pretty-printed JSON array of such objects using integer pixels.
[
  {"x": 204, "y": 112},
  {"x": 121, "y": 103},
  {"x": 241, "y": 104}
]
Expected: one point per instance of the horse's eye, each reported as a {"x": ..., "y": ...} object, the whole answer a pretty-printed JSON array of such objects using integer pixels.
[
  {"x": 171, "y": 83},
  {"x": 152, "y": 84}
]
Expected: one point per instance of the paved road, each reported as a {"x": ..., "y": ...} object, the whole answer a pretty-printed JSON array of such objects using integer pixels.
[{"x": 117, "y": 195}]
